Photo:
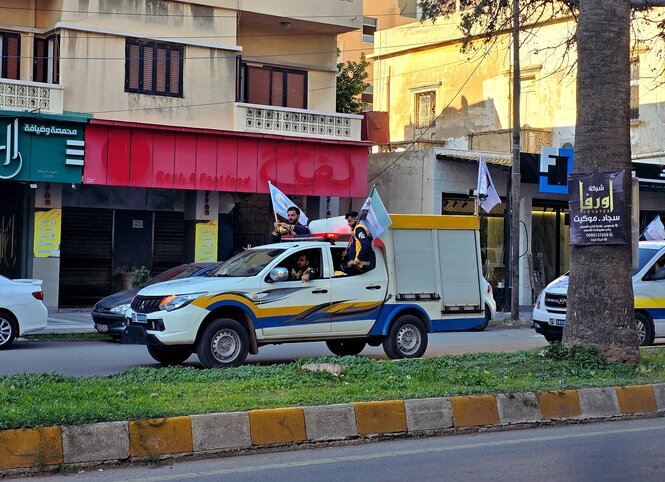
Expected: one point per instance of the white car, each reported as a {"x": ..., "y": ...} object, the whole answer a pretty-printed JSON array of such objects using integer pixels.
[
  {"x": 21, "y": 309},
  {"x": 549, "y": 313}
]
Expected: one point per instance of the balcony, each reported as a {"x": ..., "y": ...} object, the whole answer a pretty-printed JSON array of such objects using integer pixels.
[
  {"x": 265, "y": 119},
  {"x": 23, "y": 95}
]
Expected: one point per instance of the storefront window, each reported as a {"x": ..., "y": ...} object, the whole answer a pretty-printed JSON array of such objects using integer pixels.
[{"x": 550, "y": 235}]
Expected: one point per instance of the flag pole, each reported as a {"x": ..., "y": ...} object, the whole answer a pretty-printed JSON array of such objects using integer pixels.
[{"x": 273, "y": 204}]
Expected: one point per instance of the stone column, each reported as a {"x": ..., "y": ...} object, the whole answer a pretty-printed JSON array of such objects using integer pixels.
[
  {"x": 46, "y": 266},
  {"x": 525, "y": 251}
]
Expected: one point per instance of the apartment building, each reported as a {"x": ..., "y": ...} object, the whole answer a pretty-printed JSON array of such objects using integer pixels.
[
  {"x": 144, "y": 133},
  {"x": 449, "y": 107}
]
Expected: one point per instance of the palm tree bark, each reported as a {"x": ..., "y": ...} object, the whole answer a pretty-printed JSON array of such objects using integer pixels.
[{"x": 600, "y": 294}]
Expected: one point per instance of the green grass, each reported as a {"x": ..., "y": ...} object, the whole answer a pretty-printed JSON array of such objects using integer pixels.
[{"x": 37, "y": 400}]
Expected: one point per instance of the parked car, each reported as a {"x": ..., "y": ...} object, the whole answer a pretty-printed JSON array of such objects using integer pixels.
[
  {"x": 22, "y": 308},
  {"x": 108, "y": 313},
  {"x": 549, "y": 313}
]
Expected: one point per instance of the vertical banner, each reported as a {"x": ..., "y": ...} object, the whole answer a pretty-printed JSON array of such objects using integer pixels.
[
  {"x": 597, "y": 208},
  {"x": 47, "y": 233},
  {"x": 206, "y": 242}
]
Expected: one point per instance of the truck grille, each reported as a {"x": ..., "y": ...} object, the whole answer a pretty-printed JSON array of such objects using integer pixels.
[
  {"x": 146, "y": 304},
  {"x": 556, "y": 302}
]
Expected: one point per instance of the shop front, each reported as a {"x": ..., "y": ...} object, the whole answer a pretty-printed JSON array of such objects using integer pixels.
[{"x": 39, "y": 154}]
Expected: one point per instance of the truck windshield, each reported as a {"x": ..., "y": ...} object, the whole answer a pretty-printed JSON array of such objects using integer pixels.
[{"x": 247, "y": 263}]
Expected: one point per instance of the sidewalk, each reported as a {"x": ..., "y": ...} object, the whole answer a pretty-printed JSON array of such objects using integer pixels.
[{"x": 75, "y": 320}]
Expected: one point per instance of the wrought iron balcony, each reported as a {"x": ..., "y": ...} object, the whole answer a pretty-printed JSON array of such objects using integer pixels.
[
  {"x": 267, "y": 119},
  {"x": 23, "y": 95}
]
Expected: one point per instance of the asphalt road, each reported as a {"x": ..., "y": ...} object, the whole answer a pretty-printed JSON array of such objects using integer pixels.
[
  {"x": 609, "y": 451},
  {"x": 91, "y": 358}
]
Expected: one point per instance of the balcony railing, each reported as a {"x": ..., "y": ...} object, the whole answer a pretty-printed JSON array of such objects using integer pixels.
[
  {"x": 267, "y": 119},
  {"x": 23, "y": 95}
]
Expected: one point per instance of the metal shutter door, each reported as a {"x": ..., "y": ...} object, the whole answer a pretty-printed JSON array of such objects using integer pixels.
[
  {"x": 460, "y": 279},
  {"x": 414, "y": 261}
]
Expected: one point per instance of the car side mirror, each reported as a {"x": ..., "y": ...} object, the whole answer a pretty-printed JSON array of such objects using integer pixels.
[{"x": 279, "y": 274}]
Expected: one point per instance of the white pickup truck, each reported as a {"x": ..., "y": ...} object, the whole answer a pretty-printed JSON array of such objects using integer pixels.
[
  {"x": 549, "y": 312},
  {"x": 427, "y": 278}
]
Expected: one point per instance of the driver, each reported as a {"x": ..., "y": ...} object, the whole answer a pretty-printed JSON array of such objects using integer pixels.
[{"x": 302, "y": 269}]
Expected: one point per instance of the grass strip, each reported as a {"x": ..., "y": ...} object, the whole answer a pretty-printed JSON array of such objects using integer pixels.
[{"x": 32, "y": 400}]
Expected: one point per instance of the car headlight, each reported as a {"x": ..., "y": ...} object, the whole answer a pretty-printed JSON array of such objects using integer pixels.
[
  {"x": 120, "y": 308},
  {"x": 174, "y": 302},
  {"x": 539, "y": 300}
]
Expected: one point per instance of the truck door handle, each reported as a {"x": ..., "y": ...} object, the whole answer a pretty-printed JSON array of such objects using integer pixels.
[
  {"x": 319, "y": 291},
  {"x": 373, "y": 287}
]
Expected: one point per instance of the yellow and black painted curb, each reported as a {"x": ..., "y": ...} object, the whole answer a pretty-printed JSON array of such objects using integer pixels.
[{"x": 51, "y": 447}]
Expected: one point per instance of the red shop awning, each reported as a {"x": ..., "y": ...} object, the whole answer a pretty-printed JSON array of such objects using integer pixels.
[{"x": 142, "y": 155}]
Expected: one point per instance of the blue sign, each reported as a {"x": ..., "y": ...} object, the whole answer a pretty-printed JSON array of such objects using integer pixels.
[{"x": 555, "y": 165}]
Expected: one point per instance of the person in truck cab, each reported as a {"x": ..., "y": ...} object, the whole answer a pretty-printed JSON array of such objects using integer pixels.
[
  {"x": 302, "y": 269},
  {"x": 291, "y": 226},
  {"x": 358, "y": 257}
]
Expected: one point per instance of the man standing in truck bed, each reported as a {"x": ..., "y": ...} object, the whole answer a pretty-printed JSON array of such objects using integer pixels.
[{"x": 358, "y": 258}]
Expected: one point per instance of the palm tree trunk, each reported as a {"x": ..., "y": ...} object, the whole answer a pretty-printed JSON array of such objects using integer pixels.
[{"x": 600, "y": 293}]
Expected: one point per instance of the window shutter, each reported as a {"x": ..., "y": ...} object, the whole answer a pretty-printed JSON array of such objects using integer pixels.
[
  {"x": 296, "y": 93},
  {"x": 133, "y": 66},
  {"x": 40, "y": 59},
  {"x": 174, "y": 77},
  {"x": 277, "y": 89},
  {"x": 148, "y": 55},
  {"x": 12, "y": 61},
  {"x": 160, "y": 71},
  {"x": 56, "y": 59},
  {"x": 258, "y": 85}
]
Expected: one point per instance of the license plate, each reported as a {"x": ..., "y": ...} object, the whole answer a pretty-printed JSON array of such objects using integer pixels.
[
  {"x": 102, "y": 328},
  {"x": 557, "y": 322},
  {"x": 140, "y": 318}
]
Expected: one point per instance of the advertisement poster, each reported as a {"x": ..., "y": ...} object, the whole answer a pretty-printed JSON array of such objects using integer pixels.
[
  {"x": 206, "y": 242},
  {"x": 597, "y": 208},
  {"x": 47, "y": 233}
]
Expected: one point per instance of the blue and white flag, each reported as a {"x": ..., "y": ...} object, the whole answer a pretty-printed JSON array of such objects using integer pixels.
[
  {"x": 655, "y": 231},
  {"x": 487, "y": 195},
  {"x": 281, "y": 203},
  {"x": 373, "y": 214}
]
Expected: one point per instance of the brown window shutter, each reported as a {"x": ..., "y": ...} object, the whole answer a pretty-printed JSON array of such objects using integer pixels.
[
  {"x": 160, "y": 71},
  {"x": 175, "y": 70},
  {"x": 296, "y": 91},
  {"x": 258, "y": 85},
  {"x": 277, "y": 89},
  {"x": 56, "y": 59},
  {"x": 148, "y": 54},
  {"x": 133, "y": 66},
  {"x": 12, "y": 61},
  {"x": 40, "y": 60}
]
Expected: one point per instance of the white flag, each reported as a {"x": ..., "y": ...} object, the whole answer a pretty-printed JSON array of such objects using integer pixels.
[
  {"x": 281, "y": 203},
  {"x": 374, "y": 215},
  {"x": 655, "y": 231},
  {"x": 486, "y": 191}
]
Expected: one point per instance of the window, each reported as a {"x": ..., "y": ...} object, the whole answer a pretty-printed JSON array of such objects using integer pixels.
[
  {"x": 369, "y": 29},
  {"x": 47, "y": 60},
  {"x": 153, "y": 68},
  {"x": 425, "y": 109},
  {"x": 274, "y": 86},
  {"x": 635, "y": 88},
  {"x": 10, "y": 48}
]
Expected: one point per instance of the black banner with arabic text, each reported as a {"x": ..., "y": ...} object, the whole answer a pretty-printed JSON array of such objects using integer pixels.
[{"x": 597, "y": 208}]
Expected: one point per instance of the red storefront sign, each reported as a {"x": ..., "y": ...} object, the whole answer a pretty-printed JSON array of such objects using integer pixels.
[{"x": 138, "y": 155}]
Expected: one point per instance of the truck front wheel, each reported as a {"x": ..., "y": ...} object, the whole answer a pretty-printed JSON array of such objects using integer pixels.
[
  {"x": 407, "y": 338},
  {"x": 224, "y": 343}
]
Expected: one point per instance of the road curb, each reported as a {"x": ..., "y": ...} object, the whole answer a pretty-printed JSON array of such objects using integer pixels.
[{"x": 50, "y": 448}]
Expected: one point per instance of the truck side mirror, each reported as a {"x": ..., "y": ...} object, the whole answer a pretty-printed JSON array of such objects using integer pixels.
[{"x": 279, "y": 274}]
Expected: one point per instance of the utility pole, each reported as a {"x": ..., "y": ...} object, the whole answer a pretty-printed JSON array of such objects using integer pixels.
[{"x": 515, "y": 172}]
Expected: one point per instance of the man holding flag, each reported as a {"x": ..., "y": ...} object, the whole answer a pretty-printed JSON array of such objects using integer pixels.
[
  {"x": 371, "y": 222},
  {"x": 286, "y": 208}
]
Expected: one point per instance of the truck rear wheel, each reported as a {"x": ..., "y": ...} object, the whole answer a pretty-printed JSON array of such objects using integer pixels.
[
  {"x": 224, "y": 343},
  {"x": 167, "y": 355},
  {"x": 346, "y": 347},
  {"x": 644, "y": 329},
  {"x": 407, "y": 338}
]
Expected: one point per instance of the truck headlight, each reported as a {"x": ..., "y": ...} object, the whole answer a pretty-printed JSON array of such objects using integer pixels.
[
  {"x": 539, "y": 300},
  {"x": 174, "y": 302}
]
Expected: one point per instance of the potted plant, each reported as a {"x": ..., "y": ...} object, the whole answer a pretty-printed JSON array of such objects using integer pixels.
[{"x": 140, "y": 276}]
